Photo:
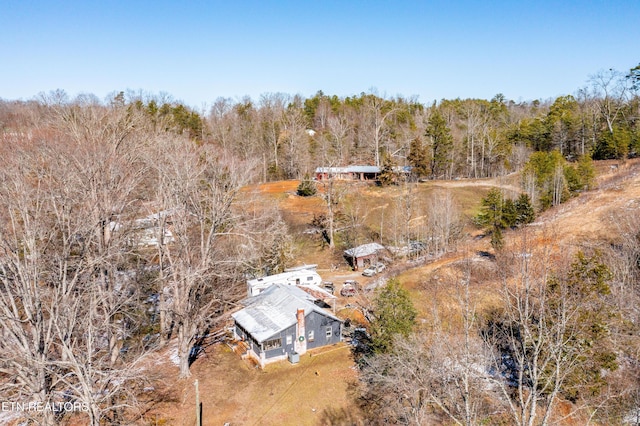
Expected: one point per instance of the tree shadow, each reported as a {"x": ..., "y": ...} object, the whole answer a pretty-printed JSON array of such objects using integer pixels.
[{"x": 340, "y": 417}]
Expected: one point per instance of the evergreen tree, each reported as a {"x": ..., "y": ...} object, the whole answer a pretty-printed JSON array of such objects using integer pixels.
[
  {"x": 586, "y": 171},
  {"x": 394, "y": 315},
  {"x": 634, "y": 77},
  {"x": 613, "y": 144},
  {"x": 418, "y": 158},
  {"x": 307, "y": 187},
  {"x": 509, "y": 213},
  {"x": 581, "y": 297},
  {"x": 571, "y": 176},
  {"x": 492, "y": 218},
  {"x": 441, "y": 142},
  {"x": 491, "y": 210},
  {"x": 525, "y": 213},
  {"x": 549, "y": 171},
  {"x": 497, "y": 214},
  {"x": 387, "y": 175},
  {"x": 497, "y": 240}
]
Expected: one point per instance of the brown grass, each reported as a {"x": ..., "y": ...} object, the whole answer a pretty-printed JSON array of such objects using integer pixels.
[{"x": 232, "y": 390}]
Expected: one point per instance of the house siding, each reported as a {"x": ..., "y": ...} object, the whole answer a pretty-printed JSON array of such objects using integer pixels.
[
  {"x": 284, "y": 349},
  {"x": 318, "y": 324},
  {"x": 277, "y": 319},
  {"x": 314, "y": 321}
]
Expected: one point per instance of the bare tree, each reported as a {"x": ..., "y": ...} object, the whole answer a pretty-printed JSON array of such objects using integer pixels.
[
  {"x": 377, "y": 112},
  {"x": 532, "y": 346},
  {"x": 196, "y": 192},
  {"x": 427, "y": 379},
  {"x": 551, "y": 339},
  {"x": 272, "y": 107},
  {"x": 59, "y": 262},
  {"x": 102, "y": 162},
  {"x": 474, "y": 117},
  {"x": 610, "y": 89},
  {"x": 339, "y": 129},
  {"x": 444, "y": 223},
  {"x": 221, "y": 124},
  {"x": 27, "y": 296},
  {"x": 294, "y": 137},
  {"x": 332, "y": 193}
]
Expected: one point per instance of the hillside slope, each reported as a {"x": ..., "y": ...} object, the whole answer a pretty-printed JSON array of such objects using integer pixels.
[{"x": 320, "y": 389}]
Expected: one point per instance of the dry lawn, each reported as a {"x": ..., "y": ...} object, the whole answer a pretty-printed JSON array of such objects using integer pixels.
[{"x": 316, "y": 391}]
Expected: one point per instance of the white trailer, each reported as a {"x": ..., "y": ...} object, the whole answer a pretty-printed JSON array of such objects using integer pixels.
[{"x": 299, "y": 277}]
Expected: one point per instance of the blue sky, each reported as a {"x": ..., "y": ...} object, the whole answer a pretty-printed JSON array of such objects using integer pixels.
[{"x": 197, "y": 51}]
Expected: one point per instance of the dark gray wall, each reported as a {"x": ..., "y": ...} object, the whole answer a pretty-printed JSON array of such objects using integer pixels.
[
  {"x": 319, "y": 324},
  {"x": 313, "y": 321},
  {"x": 285, "y": 349}
]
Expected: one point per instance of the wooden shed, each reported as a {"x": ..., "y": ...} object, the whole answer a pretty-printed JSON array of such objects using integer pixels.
[{"x": 364, "y": 255}]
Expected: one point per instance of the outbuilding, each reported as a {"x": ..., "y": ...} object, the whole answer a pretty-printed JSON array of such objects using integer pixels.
[
  {"x": 357, "y": 173},
  {"x": 364, "y": 255},
  {"x": 361, "y": 173}
]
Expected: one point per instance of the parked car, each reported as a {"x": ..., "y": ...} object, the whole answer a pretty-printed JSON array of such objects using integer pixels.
[
  {"x": 328, "y": 286},
  {"x": 349, "y": 288},
  {"x": 374, "y": 269},
  {"x": 354, "y": 283}
]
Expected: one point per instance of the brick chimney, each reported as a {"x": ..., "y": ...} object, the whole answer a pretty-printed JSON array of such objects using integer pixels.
[{"x": 301, "y": 338}]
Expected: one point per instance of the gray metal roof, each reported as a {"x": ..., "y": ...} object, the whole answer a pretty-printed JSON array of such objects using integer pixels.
[
  {"x": 349, "y": 169},
  {"x": 364, "y": 250},
  {"x": 274, "y": 310}
]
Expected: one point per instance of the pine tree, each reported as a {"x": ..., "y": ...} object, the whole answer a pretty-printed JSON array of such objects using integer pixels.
[
  {"x": 307, "y": 187},
  {"x": 418, "y": 158},
  {"x": 509, "y": 213},
  {"x": 524, "y": 210},
  {"x": 387, "y": 176},
  {"x": 582, "y": 297},
  {"x": 394, "y": 314},
  {"x": 441, "y": 142},
  {"x": 586, "y": 171},
  {"x": 491, "y": 210}
]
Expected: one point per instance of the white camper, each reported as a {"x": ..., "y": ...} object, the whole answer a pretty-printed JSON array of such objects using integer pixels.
[{"x": 297, "y": 276}]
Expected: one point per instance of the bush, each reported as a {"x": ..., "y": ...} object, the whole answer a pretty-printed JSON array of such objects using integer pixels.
[{"x": 307, "y": 187}]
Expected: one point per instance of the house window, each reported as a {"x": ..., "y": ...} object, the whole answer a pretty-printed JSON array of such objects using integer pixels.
[
  {"x": 329, "y": 333},
  {"x": 289, "y": 339},
  {"x": 272, "y": 344},
  {"x": 311, "y": 336}
]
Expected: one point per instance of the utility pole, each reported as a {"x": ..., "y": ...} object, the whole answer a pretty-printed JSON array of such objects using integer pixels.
[{"x": 198, "y": 408}]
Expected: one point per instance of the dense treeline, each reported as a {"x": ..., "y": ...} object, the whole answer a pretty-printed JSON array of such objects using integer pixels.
[{"x": 291, "y": 135}]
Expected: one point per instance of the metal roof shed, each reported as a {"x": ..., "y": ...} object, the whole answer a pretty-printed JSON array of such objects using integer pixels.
[{"x": 363, "y": 255}]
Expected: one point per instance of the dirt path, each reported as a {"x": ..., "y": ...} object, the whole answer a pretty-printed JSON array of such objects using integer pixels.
[{"x": 476, "y": 183}]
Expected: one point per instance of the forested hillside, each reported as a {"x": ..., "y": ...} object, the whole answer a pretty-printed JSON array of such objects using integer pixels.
[{"x": 130, "y": 225}]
